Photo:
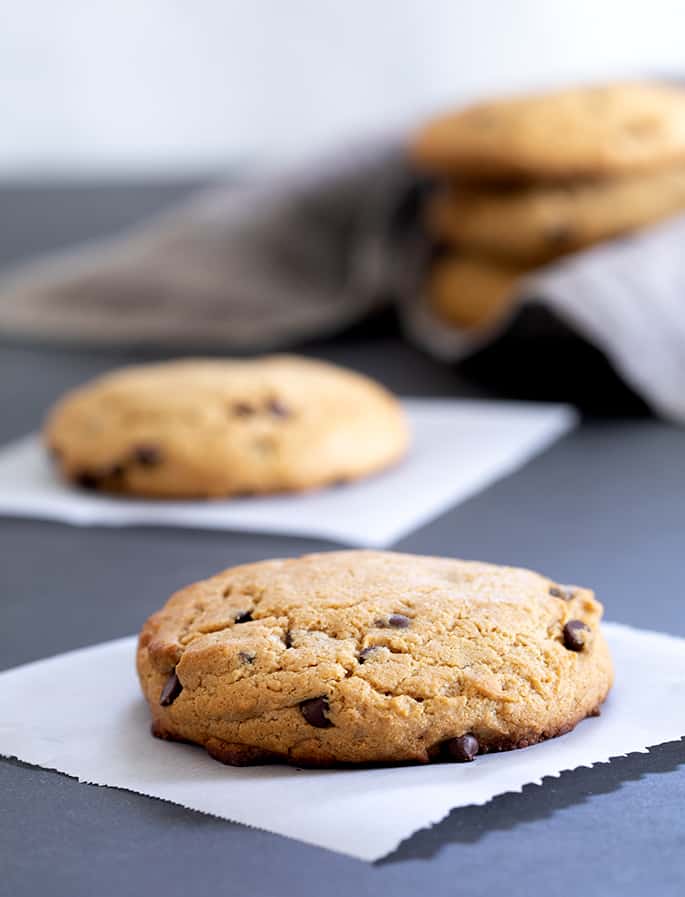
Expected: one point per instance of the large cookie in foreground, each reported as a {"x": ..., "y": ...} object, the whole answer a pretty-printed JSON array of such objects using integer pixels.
[
  {"x": 582, "y": 132},
  {"x": 211, "y": 428},
  {"x": 372, "y": 657}
]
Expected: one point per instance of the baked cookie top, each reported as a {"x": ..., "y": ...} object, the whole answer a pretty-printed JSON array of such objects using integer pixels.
[
  {"x": 536, "y": 224},
  {"x": 200, "y": 428},
  {"x": 369, "y": 656},
  {"x": 580, "y": 132}
]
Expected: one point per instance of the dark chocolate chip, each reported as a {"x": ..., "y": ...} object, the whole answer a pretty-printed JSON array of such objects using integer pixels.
[
  {"x": 398, "y": 621},
  {"x": 278, "y": 408},
  {"x": 559, "y": 235},
  {"x": 462, "y": 749},
  {"x": 575, "y": 635},
  {"x": 563, "y": 592},
  {"x": 172, "y": 689},
  {"x": 246, "y": 657},
  {"x": 87, "y": 480},
  {"x": 314, "y": 711},
  {"x": 288, "y": 639},
  {"x": 243, "y": 409},
  {"x": 147, "y": 454},
  {"x": 367, "y": 652},
  {"x": 394, "y": 621},
  {"x": 93, "y": 479},
  {"x": 243, "y": 616}
]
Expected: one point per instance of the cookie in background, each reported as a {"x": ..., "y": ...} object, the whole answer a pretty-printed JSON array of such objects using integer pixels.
[
  {"x": 204, "y": 428},
  {"x": 524, "y": 181}
]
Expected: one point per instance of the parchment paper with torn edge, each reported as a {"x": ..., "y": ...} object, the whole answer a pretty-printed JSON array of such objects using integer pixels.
[{"x": 364, "y": 813}]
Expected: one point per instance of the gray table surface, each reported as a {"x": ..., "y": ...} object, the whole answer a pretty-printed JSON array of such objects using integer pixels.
[{"x": 605, "y": 506}]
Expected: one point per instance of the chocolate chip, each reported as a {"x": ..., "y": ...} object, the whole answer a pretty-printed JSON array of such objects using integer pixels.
[
  {"x": 246, "y": 657},
  {"x": 147, "y": 454},
  {"x": 559, "y": 236},
  {"x": 462, "y": 749},
  {"x": 172, "y": 689},
  {"x": 563, "y": 592},
  {"x": 114, "y": 472},
  {"x": 243, "y": 409},
  {"x": 278, "y": 408},
  {"x": 87, "y": 480},
  {"x": 394, "y": 621},
  {"x": 575, "y": 635},
  {"x": 367, "y": 652},
  {"x": 314, "y": 711},
  {"x": 243, "y": 616},
  {"x": 288, "y": 639},
  {"x": 398, "y": 621}
]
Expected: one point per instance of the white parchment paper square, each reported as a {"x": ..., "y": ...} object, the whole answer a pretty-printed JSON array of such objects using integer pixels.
[
  {"x": 460, "y": 447},
  {"x": 98, "y": 731}
]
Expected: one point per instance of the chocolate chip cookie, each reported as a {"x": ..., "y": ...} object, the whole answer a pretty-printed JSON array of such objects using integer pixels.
[
  {"x": 210, "y": 428},
  {"x": 535, "y": 224},
  {"x": 372, "y": 657},
  {"x": 471, "y": 292},
  {"x": 584, "y": 132}
]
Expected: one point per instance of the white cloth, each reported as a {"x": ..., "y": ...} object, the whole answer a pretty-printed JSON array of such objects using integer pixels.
[{"x": 626, "y": 297}]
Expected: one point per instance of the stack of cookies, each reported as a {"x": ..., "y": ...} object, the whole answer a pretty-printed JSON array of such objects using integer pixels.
[{"x": 524, "y": 181}]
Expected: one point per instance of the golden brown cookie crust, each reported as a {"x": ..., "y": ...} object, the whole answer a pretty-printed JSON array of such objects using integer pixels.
[
  {"x": 471, "y": 292},
  {"x": 582, "y": 132},
  {"x": 536, "y": 224},
  {"x": 212, "y": 428},
  {"x": 371, "y": 657}
]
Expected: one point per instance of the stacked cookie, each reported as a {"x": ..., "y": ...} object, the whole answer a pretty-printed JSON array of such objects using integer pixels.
[{"x": 525, "y": 181}]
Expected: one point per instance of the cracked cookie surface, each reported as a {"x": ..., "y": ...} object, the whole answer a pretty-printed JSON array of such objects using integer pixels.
[
  {"x": 372, "y": 657},
  {"x": 212, "y": 428}
]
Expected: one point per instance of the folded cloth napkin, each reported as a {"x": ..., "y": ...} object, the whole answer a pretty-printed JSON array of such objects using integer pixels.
[{"x": 306, "y": 253}]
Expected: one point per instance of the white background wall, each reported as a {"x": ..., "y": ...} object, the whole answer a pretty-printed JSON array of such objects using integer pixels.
[{"x": 184, "y": 84}]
